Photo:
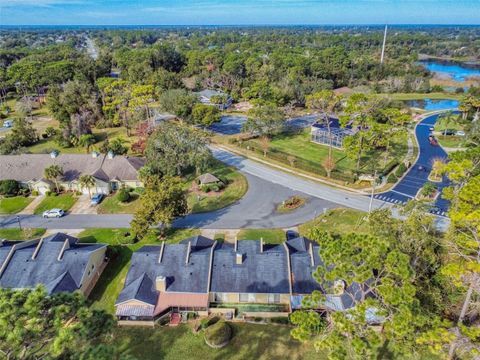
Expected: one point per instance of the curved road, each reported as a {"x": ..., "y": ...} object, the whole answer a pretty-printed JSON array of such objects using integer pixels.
[
  {"x": 417, "y": 175},
  {"x": 268, "y": 187}
]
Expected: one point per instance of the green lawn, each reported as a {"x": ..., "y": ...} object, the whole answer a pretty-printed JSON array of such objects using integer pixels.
[
  {"x": 339, "y": 221},
  {"x": 62, "y": 201},
  {"x": 300, "y": 147},
  {"x": 111, "y": 282},
  {"x": 270, "y": 236},
  {"x": 14, "y": 204},
  {"x": 451, "y": 141},
  {"x": 111, "y": 205},
  {"x": 17, "y": 234},
  {"x": 236, "y": 188},
  {"x": 249, "y": 341}
]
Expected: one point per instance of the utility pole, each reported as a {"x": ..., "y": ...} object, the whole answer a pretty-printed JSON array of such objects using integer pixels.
[
  {"x": 383, "y": 46},
  {"x": 373, "y": 192}
]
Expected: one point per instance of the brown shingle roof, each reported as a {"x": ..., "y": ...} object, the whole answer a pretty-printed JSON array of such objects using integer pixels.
[
  {"x": 28, "y": 167},
  {"x": 208, "y": 179}
]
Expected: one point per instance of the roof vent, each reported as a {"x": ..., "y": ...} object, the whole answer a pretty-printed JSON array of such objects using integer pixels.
[
  {"x": 95, "y": 154},
  {"x": 54, "y": 154},
  {"x": 110, "y": 154}
]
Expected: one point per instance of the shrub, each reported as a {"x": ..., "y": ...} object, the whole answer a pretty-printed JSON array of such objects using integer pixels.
[
  {"x": 392, "y": 179},
  {"x": 428, "y": 189},
  {"x": 218, "y": 335},
  {"x": 9, "y": 187},
  {"x": 140, "y": 190},
  {"x": 400, "y": 170},
  {"x": 35, "y": 193},
  {"x": 280, "y": 320},
  {"x": 48, "y": 193},
  {"x": 123, "y": 195},
  {"x": 24, "y": 192}
]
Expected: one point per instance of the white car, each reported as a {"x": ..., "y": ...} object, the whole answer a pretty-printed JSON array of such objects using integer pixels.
[
  {"x": 8, "y": 124},
  {"x": 460, "y": 133},
  {"x": 53, "y": 213}
]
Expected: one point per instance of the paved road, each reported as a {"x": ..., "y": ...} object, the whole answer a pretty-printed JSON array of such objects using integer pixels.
[
  {"x": 417, "y": 175},
  {"x": 257, "y": 209}
]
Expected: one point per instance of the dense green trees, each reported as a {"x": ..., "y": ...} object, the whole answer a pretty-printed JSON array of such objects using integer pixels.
[
  {"x": 173, "y": 149},
  {"x": 178, "y": 102},
  {"x": 22, "y": 134},
  {"x": 264, "y": 120},
  {"x": 35, "y": 326},
  {"x": 164, "y": 200},
  {"x": 205, "y": 115}
]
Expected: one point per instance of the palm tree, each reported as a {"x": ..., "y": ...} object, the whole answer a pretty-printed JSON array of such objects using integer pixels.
[
  {"x": 87, "y": 181},
  {"x": 86, "y": 140},
  {"x": 53, "y": 172}
]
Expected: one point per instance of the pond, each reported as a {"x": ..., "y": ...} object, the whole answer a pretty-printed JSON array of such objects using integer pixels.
[
  {"x": 433, "y": 105},
  {"x": 452, "y": 70}
]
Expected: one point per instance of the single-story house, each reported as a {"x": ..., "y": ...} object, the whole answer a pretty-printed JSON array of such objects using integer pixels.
[
  {"x": 110, "y": 172},
  {"x": 58, "y": 262},
  {"x": 207, "y": 97},
  {"x": 164, "y": 278}
]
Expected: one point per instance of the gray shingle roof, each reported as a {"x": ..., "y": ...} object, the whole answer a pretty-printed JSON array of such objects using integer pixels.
[
  {"x": 65, "y": 274},
  {"x": 208, "y": 179},
  {"x": 28, "y": 167},
  {"x": 182, "y": 276},
  {"x": 260, "y": 272}
]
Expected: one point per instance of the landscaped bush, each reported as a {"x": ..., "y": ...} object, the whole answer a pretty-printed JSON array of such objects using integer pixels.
[
  {"x": 280, "y": 320},
  {"x": 390, "y": 166},
  {"x": 51, "y": 193},
  {"x": 9, "y": 187},
  {"x": 218, "y": 335},
  {"x": 400, "y": 170},
  {"x": 123, "y": 195},
  {"x": 392, "y": 179},
  {"x": 24, "y": 192},
  {"x": 140, "y": 190},
  {"x": 35, "y": 193},
  {"x": 428, "y": 190}
]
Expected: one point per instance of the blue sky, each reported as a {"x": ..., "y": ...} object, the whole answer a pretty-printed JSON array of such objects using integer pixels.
[{"x": 234, "y": 12}]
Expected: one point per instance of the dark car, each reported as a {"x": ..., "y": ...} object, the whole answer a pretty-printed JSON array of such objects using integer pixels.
[
  {"x": 291, "y": 234},
  {"x": 449, "y": 132},
  {"x": 96, "y": 199}
]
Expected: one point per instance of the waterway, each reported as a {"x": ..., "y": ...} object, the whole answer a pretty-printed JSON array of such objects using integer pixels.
[
  {"x": 452, "y": 70},
  {"x": 433, "y": 105}
]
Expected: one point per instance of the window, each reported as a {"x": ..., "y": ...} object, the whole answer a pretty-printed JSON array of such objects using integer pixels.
[
  {"x": 273, "y": 298},
  {"x": 251, "y": 298},
  {"x": 220, "y": 297}
]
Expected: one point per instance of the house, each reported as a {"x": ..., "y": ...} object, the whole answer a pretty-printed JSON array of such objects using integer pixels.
[
  {"x": 164, "y": 278},
  {"x": 321, "y": 134},
  {"x": 207, "y": 179},
  {"x": 304, "y": 260},
  {"x": 58, "y": 262},
  {"x": 215, "y": 98},
  {"x": 203, "y": 276},
  {"x": 250, "y": 271},
  {"x": 110, "y": 172}
]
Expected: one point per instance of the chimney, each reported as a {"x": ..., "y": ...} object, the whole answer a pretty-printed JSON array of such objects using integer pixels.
[
  {"x": 66, "y": 245},
  {"x": 189, "y": 249},
  {"x": 239, "y": 258},
  {"x": 161, "y": 283},
  {"x": 235, "y": 244},
  {"x": 110, "y": 154},
  {"x": 312, "y": 259},
  {"x": 261, "y": 244},
  {"x": 95, "y": 154},
  {"x": 162, "y": 248}
]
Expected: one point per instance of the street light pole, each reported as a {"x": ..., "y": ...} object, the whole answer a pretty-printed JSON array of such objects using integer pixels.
[
  {"x": 19, "y": 223},
  {"x": 373, "y": 192}
]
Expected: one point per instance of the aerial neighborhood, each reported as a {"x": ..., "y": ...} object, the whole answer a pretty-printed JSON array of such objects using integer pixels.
[{"x": 239, "y": 192}]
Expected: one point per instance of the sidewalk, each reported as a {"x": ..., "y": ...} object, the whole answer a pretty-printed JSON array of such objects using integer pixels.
[{"x": 32, "y": 206}]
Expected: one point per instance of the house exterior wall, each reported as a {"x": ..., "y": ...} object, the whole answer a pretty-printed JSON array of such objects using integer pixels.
[
  {"x": 259, "y": 299},
  {"x": 93, "y": 269},
  {"x": 40, "y": 186}
]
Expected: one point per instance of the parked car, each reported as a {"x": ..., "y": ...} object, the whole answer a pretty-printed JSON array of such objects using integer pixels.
[
  {"x": 460, "y": 133},
  {"x": 8, "y": 123},
  {"x": 53, "y": 213},
  {"x": 291, "y": 234},
  {"x": 431, "y": 128},
  {"x": 432, "y": 140},
  {"x": 96, "y": 199},
  {"x": 449, "y": 132}
]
